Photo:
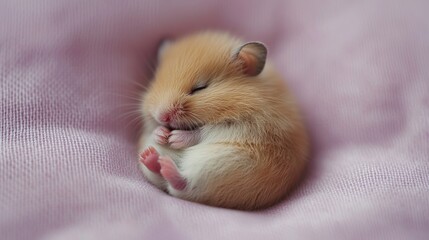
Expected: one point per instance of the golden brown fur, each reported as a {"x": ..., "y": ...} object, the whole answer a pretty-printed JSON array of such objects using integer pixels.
[{"x": 254, "y": 118}]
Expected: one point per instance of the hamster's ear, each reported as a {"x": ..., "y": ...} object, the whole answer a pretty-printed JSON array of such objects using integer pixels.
[
  {"x": 162, "y": 47},
  {"x": 252, "y": 56}
]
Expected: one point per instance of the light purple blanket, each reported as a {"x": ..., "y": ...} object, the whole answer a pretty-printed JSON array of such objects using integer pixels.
[{"x": 68, "y": 161}]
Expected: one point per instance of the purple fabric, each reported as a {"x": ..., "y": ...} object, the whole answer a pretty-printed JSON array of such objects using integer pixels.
[{"x": 68, "y": 161}]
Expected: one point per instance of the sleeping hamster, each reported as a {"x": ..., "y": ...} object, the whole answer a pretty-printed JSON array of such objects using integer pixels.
[{"x": 220, "y": 127}]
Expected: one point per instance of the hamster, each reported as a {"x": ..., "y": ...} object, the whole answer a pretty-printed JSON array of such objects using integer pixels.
[{"x": 220, "y": 127}]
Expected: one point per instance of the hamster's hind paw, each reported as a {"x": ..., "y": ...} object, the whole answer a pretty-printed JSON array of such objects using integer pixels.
[
  {"x": 171, "y": 173},
  {"x": 161, "y": 134},
  {"x": 149, "y": 157}
]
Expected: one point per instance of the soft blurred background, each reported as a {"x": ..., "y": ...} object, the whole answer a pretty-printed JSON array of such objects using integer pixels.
[{"x": 70, "y": 72}]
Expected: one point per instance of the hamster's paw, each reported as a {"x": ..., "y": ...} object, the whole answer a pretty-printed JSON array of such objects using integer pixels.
[
  {"x": 171, "y": 174},
  {"x": 179, "y": 139},
  {"x": 161, "y": 134},
  {"x": 149, "y": 157}
]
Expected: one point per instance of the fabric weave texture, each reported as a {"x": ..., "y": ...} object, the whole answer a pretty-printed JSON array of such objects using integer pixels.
[{"x": 70, "y": 72}]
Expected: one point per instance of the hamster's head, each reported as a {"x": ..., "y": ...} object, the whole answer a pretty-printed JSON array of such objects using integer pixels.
[{"x": 206, "y": 78}]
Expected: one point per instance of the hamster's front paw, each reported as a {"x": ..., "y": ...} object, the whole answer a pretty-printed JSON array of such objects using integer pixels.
[
  {"x": 161, "y": 134},
  {"x": 179, "y": 139}
]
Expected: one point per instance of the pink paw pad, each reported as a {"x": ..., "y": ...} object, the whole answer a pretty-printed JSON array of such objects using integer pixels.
[
  {"x": 171, "y": 173},
  {"x": 161, "y": 135},
  {"x": 149, "y": 157}
]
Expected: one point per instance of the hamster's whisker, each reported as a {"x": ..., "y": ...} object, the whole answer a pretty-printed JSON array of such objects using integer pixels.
[
  {"x": 140, "y": 85},
  {"x": 151, "y": 66},
  {"x": 127, "y": 115},
  {"x": 128, "y": 105},
  {"x": 135, "y": 121},
  {"x": 127, "y": 97}
]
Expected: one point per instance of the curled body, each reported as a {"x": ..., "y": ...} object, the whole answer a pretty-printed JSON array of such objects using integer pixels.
[{"x": 220, "y": 126}]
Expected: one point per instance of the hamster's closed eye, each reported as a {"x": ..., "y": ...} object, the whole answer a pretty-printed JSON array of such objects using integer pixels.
[{"x": 198, "y": 87}]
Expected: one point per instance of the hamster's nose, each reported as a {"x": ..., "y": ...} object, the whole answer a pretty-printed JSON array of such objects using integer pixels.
[
  {"x": 168, "y": 116},
  {"x": 165, "y": 117}
]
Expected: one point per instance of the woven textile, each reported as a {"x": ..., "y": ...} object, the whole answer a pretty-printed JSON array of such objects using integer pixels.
[{"x": 69, "y": 71}]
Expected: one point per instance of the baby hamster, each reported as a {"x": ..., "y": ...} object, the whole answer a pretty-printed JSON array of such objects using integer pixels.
[{"x": 220, "y": 127}]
